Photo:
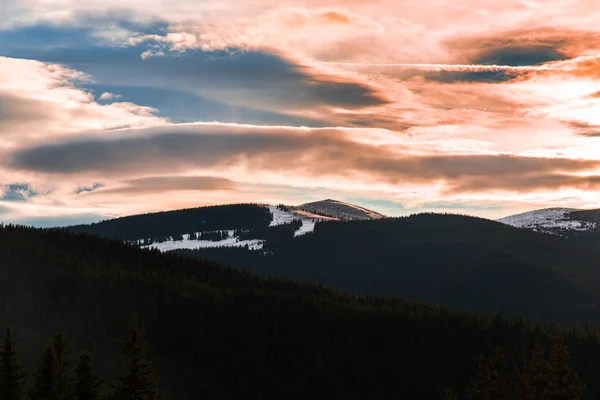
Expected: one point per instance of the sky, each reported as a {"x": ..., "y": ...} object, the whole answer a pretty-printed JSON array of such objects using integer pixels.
[{"x": 111, "y": 108}]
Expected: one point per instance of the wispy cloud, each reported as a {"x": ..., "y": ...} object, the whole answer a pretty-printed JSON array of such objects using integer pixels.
[{"x": 454, "y": 102}]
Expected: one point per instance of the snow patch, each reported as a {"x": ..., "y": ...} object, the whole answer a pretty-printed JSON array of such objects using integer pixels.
[
  {"x": 308, "y": 226},
  {"x": 280, "y": 217},
  {"x": 186, "y": 243},
  {"x": 549, "y": 218}
]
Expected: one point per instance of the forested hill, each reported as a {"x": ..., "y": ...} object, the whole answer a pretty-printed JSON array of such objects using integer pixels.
[
  {"x": 218, "y": 333},
  {"x": 172, "y": 223},
  {"x": 452, "y": 260}
]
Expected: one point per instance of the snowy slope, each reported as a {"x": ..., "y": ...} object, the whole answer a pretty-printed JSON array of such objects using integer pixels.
[
  {"x": 281, "y": 217},
  {"x": 340, "y": 210},
  {"x": 309, "y": 220},
  {"x": 309, "y": 214},
  {"x": 550, "y": 220},
  {"x": 191, "y": 244}
]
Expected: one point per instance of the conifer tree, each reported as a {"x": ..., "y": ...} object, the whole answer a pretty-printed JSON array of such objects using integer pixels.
[
  {"x": 52, "y": 379},
  {"x": 552, "y": 378},
  {"x": 88, "y": 386},
  {"x": 139, "y": 383},
  {"x": 564, "y": 383},
  {"x": 12, "y": 375},
  {"x": 492, "y": 382},
  {"x": 536, "y": 377},
  {"x": 449, "y": 395}
]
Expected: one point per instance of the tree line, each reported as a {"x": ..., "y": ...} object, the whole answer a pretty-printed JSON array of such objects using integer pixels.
[
  {"x": 161, "y": 225},
  {"x": 228, "y": 334},
  {"x": 54, "y": 380},
  {"x": 544, "y": 375}
]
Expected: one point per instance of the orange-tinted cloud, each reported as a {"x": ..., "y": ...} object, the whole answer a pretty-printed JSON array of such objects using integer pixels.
[
  {"x": 308, "y": 153},
  {"x": 459, "y": 100}
]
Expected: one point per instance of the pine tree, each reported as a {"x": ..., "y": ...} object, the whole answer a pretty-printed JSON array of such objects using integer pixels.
[
  {"x": 536, "y": 377},
  {"x": 449, "y": 395},
  {"x": 88, "y": 386},
  {"x": 12, "y": 375},
  {"x": 564, "y": 383},
  {"x": 492, "y": 382},
  {"x": 52, "y": 379},
  {"x": 140, "y": 381}
]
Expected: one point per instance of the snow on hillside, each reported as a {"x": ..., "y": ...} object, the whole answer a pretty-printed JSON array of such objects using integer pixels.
[
  {"x": 186, "y": 243},
  {"x": 548, "y": 219},
  {"x": 340, "y": 210},
  {"x": 310, "y": 214},
  {"x": 308, "y": 225},
  {"x": 281, "y": 217}
]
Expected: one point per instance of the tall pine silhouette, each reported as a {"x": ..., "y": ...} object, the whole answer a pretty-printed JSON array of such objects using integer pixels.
[
  {"x": 449, "y": 395},
  {"x": 139, "y": 383},
  {"x": 12, "y": 375},
  {"x": 492, "y": 381},
  {"x": 88, "y": 386},
  {"x": 564, "y": 383},
  {"x": 52, "y": 379}
]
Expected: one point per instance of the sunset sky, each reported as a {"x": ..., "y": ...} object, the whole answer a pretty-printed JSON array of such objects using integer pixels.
[{"x": 111, "y": 107}]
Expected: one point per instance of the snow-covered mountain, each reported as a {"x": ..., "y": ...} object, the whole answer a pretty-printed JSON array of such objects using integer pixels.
[
  {"x": 557, "y": 221},
  {"x": 340, "y": 210},
  {"x": 303, "y": 218}
]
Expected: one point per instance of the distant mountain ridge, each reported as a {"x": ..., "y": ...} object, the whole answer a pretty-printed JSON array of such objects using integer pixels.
[
  {"x": 232, "y": 225},
  {"x": 340, "y": 210},
  {"x": 451, "y": 260},
  {"x": 582, "y": 226}
]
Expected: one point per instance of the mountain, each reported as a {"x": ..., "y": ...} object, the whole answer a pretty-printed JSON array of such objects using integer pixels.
[
  {"x": 340, "y": 210},
  {"x": 215, "y": 332},
  {"x": 235, "y": 225},
  {"x": 451, "y": 260},
  {"x": 582, "y": 226}
]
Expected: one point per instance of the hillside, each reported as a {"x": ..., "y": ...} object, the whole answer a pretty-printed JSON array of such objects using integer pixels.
[
  {"x": 234, "y": 225},
  {"x": 218, "y": 333},
  {"x": 581, "y": 226},
  {"x": 451, "y": 260},
  {"x": 340, "y": 210},
  {"x": 167, "y": 224}
]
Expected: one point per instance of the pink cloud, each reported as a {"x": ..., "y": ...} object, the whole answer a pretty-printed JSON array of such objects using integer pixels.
[{"x": 452, "y": 105}]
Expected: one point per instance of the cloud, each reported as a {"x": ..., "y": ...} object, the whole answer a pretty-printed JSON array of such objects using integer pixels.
[
  {"x": 165, "y": 184},
  {"x": 231, "y": 76},
  {"x": 588, "y": 67},
  {"x": 109, "y": 96},
  {"x": 87, "y": 189},
  {"x": 523, "y": 46},
  {"x": 39, "y": 99},
  {"x": 307, "y": 153},
  {"x": 453, "y": 102},
  {"x": 17, "y": 192}
]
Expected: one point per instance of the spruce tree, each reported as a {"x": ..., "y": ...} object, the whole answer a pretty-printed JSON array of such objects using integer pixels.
[
  {"x": 449, "y": 395},
  {"x": 12, "y": 375},
  {"x": 564, "y": 383},
  {"x": 536, "y": 379},
  {"x": 492, "y": 382},
  {"x": 52, "y": 379},
  {"x": 88, "y": 386},
  {"x": 139, "y": 383}
]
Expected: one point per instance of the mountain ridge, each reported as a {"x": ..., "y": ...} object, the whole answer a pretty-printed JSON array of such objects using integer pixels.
[
  {"x": 579, "y": 225},
  {"x": 341, "y": 210}
]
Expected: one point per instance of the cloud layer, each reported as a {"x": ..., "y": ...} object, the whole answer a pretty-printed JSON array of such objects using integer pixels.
[{"x": 487, "y": 107}]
